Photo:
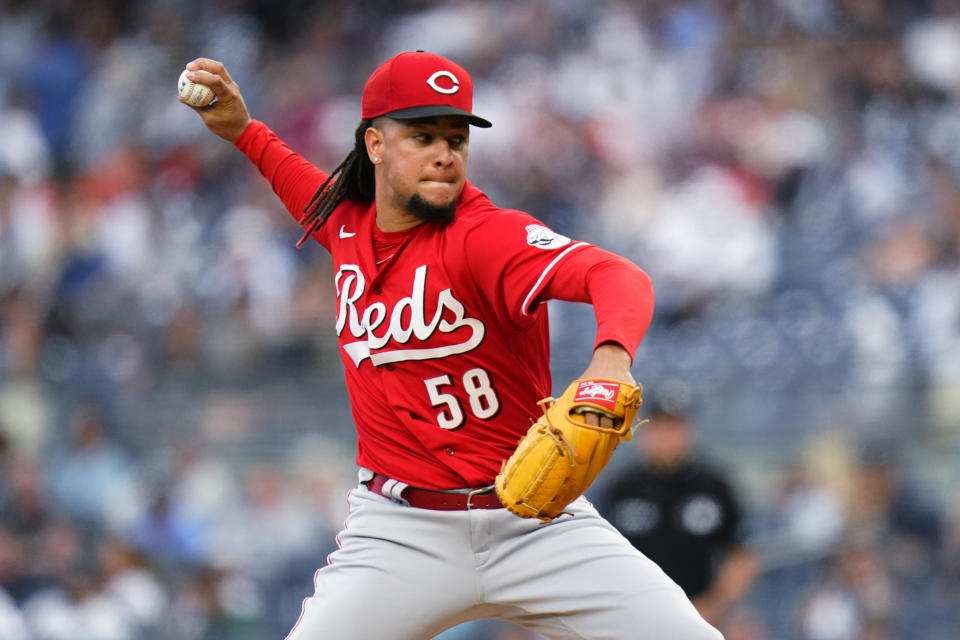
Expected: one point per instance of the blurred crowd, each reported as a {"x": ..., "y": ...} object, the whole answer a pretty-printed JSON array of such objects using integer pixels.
[{"x": 175, "y": 444}]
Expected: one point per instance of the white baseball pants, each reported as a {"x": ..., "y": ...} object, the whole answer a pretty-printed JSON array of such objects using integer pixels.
[{"x": 403, "y": 573}]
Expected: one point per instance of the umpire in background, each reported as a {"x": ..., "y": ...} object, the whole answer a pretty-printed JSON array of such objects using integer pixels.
[{"x": 681, "y": 513}]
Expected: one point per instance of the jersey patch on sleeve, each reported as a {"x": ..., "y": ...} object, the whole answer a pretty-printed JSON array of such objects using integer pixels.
[{"x": 543, "y": 238}]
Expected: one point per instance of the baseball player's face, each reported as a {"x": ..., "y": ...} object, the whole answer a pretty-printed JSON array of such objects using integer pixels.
[{"x": 423, "y": 161}]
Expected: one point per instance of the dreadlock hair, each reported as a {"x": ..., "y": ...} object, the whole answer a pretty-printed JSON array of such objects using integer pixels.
[{"x": 351, "y": 180}]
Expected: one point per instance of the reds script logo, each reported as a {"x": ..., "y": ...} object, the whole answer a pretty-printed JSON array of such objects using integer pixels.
[{"x": 375, "y": 327}]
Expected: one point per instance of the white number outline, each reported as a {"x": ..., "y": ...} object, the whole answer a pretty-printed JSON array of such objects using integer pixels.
[
  {"x": 452, "y": 417},
  {"x": 479, "y": 389},
  {"x": 477, "y": 384}
]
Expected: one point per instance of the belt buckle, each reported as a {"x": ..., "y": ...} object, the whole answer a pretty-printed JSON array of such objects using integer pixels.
[{"x": 477, "y": 492}]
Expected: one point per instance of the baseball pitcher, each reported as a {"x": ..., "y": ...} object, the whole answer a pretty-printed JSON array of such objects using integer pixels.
[{"x": 469, "y": 502}]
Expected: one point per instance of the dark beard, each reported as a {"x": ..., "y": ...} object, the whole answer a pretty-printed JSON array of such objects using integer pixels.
[{"x": 429, "y": 212}]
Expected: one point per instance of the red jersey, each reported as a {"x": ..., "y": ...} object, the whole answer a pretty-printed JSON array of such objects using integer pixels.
[{"x": 445, "y": 343}]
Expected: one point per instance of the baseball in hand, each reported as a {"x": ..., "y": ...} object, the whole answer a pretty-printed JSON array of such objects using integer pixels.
[{"x": 196, "y": 95}]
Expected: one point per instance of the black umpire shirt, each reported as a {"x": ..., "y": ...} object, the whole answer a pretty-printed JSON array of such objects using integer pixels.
[{"x": 684, "y": 520}]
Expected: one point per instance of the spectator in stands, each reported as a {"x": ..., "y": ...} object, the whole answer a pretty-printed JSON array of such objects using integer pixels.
[
  {"x": 94, "y": 479},
  {"x": 856, "y": 599},
  {"x": 126, "y": 579}
]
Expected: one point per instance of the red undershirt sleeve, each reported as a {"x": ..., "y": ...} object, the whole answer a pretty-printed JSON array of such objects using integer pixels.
[
  {"x": 292, "y": 177},
  {"x": 621, "y": 294}
]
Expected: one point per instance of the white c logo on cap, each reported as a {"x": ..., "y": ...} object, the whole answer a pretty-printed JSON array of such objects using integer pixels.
[{"x": 432, "y": 81}]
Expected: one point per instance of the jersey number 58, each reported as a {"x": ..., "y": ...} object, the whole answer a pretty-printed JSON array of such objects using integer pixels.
[{"x": 483, "y": 400}]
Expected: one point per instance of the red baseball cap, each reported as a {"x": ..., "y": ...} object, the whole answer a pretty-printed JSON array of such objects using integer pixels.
[{"x": 417, "y": 84}]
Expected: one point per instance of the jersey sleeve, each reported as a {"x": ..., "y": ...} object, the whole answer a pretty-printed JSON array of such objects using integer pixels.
[
  {"x": 511, "y": 257},
  {"x": 293, "y": 178},
  {"x": 621, "y": 294}
]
